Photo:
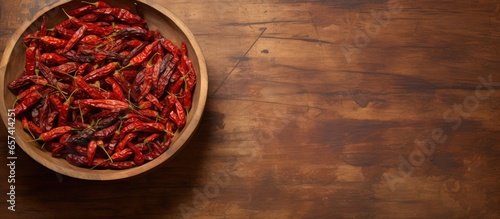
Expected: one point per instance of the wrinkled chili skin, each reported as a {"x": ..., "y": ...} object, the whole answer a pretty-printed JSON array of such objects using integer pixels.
[
  {"x": 82, "y": 138},
  {"x": 134, "y": 53},
  {"x": 121, "y": 14},
  {"x": 101, "y": 72}
]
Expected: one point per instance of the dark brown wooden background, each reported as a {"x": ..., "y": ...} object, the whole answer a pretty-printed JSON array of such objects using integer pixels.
[{"x": 312, "y": 106}]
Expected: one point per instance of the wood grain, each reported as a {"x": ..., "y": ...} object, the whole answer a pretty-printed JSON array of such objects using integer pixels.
[{"x": 311, "y": 106}]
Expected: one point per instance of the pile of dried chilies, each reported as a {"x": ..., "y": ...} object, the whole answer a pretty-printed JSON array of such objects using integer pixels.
[{"x": 101, "y": 90}]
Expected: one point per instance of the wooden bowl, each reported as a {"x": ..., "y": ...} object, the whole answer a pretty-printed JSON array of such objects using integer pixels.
[{"x": 13, "y": 62}]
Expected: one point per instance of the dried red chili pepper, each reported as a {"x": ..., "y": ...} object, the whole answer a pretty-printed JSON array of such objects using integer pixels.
[
  {"x": 138, "y": 116},
  {"x": 165, "y": 77},
  {"x": 103, "y": 104},
  {"x": 64, "y": 32},
  {"x": 144, "y": 105},
  {"x": 81, "y": 138},
  {"x": 132, "y": 31},
  {"x": 98, "y": 4},
  {"x": 114, "y": 165},
  {"x": 93, "y": 28},
  {"x": 158, "y": 149},
  {"x": 165, "y": 62},
  {"x": 56, "y": 148},
  {"x": 83, "y": 68},
  {"x": 64, "y": 111},
  {"x": 137, "y": 50},
  {"x": 190, "y": 75},
  {"x": 138, "y": 156},
  {"x": 117, "y": 90},
  {"x": 54, "y": 133},
  {"x": 53, "y": 41},
  {"x": 37, "y": 131},
  {"x": 125, "y": 85},
  {"x": 79, "y": 125},
  {"x": 77, "y": 160},
  {"x": 152, "y": 137},
  {"x": 143, "y": 55},
  {"x": 178, "y": 115},
  {"x": 64, "y": 69},
  {"x": 149, "y": 113},
  {"x": 91, "y": 39},
  {"x": 127, "y": 138},
  {"x": 143, "y": 127},
  {"x": 29, "y": 38},
  {"x": 89, "y": 17},
  {"x": 47, "y": 73},
  {"x": 21, "y": 81},
  {"x": 51, "y": 118},
  {"x": 121, "y": 14},
  {"x": 81, "y": 10},
  {"x": 187, "y": 99},
  {"x": 64, "y": 137},
  {"x": 55, "y": 101},
  {"x": 91, "y": 149},
  {"x": 53, "y": 58},
  {"x": 30, "y": 59},
  {"x": 28, "y": 91},
  {"x": 94, "y": 93},
  {"x": 148, "y": 78},
  {"x": 75, "y": 38},
  {"x": 44, "y": 113},
  {"x": 154, "y": 100},
  {"x": 74, "y": 56},
  {"x": 106, "y": 132},
  {"x": 27, "y": 102},
  {"x": 170, "y": 46},
  {"x": 101, "y": 72},
  {"x": 176, "y": 87}
]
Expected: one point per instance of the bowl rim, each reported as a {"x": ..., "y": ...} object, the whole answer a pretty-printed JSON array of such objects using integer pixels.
[{"x": 187, "y": 131}]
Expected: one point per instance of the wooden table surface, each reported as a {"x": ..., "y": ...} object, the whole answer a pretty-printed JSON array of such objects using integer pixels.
[{"x": 316, "y": 109}]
